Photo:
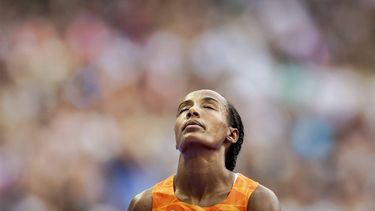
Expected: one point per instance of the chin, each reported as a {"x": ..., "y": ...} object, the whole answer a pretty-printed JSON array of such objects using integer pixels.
[{"x": 193, "y": 141}]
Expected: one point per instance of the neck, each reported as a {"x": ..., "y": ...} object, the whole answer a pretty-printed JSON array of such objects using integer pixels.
[{"x": 202, "y": 175}]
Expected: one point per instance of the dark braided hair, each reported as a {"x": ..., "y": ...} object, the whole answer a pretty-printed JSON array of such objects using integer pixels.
[{"x": 235, "y": 121}]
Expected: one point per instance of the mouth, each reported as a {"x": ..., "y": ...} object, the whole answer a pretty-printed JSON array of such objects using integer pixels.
[{"x": 192, "y": 123}]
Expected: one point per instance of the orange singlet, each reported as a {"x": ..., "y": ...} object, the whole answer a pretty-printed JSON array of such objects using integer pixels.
[{"x": 164, "y": 199}]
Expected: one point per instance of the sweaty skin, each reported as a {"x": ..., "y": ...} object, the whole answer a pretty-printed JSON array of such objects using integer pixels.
[{"x": 203, "y": 137}]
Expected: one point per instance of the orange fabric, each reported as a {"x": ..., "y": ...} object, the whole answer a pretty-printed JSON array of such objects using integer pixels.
[{"x": 164, "y": 199}]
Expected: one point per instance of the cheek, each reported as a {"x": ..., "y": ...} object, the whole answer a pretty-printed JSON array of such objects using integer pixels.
[
  {"x": 177, "y": 127},
  {"x": 176, "y": 130},
  {"x": 221, "y": 122},
  {"x": 220, "y": 129}
]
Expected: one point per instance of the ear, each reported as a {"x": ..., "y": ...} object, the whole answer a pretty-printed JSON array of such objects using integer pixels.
[{"x": 233, "y": 135}]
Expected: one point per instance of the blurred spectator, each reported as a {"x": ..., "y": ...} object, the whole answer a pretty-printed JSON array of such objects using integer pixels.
[{"x": 88, "y": 95}]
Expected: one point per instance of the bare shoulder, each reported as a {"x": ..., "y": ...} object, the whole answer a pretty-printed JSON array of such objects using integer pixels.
[
  {"x": 142, "y": 201},
  {"x": 263, "y": 199}
]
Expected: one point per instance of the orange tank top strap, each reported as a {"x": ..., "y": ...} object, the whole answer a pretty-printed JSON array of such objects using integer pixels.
[{"x": 164, "y": 199}]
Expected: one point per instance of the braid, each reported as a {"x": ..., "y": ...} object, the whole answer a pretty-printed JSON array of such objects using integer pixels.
[{"x": 235, "y": 121}]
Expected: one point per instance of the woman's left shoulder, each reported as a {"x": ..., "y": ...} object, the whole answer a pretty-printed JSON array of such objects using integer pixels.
[{"x": 263, "y": 199}]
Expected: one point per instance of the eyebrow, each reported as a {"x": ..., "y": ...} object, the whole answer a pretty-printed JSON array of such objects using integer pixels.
[
  {"x": 210, "y": 99},
  {"x": 190, "y": 102}
]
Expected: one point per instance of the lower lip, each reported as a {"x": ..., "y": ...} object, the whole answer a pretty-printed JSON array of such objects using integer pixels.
[{"x": 192, "y": 127}]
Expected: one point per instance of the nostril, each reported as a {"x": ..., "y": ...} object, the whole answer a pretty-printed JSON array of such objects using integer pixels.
[{"x": 192, "y": 112}]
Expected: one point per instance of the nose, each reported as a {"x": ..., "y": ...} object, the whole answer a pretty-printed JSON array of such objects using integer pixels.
[{"x": 192, "y": 112}]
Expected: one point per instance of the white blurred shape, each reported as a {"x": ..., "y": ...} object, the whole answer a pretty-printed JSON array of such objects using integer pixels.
[{"x": 31, "y": 203}]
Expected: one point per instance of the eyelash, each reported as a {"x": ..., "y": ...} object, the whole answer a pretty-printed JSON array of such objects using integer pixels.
[{"x": 185, "y": 109}]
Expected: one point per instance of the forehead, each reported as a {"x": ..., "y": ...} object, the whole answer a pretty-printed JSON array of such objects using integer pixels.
[{"x": 204, "y": 94}]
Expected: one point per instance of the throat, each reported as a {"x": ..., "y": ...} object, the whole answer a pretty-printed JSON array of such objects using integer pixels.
[
  {"x": 203, "y": 186},
  {"x": 203, "y": 195}
]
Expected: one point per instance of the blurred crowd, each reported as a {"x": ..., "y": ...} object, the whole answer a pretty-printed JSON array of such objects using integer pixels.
[{"x": 89, "y": 92}]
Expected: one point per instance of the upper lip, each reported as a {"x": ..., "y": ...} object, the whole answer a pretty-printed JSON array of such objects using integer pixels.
[{"x": 192, "y": 122}]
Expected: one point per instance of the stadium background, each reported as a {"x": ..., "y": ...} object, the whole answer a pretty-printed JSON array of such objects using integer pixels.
[{"x": 89, "y": 89}]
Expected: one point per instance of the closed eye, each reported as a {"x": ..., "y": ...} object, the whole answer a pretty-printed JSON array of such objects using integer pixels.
[
  {"x": 209, "y": 107},
  {"x": 182, "y": 110}
]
